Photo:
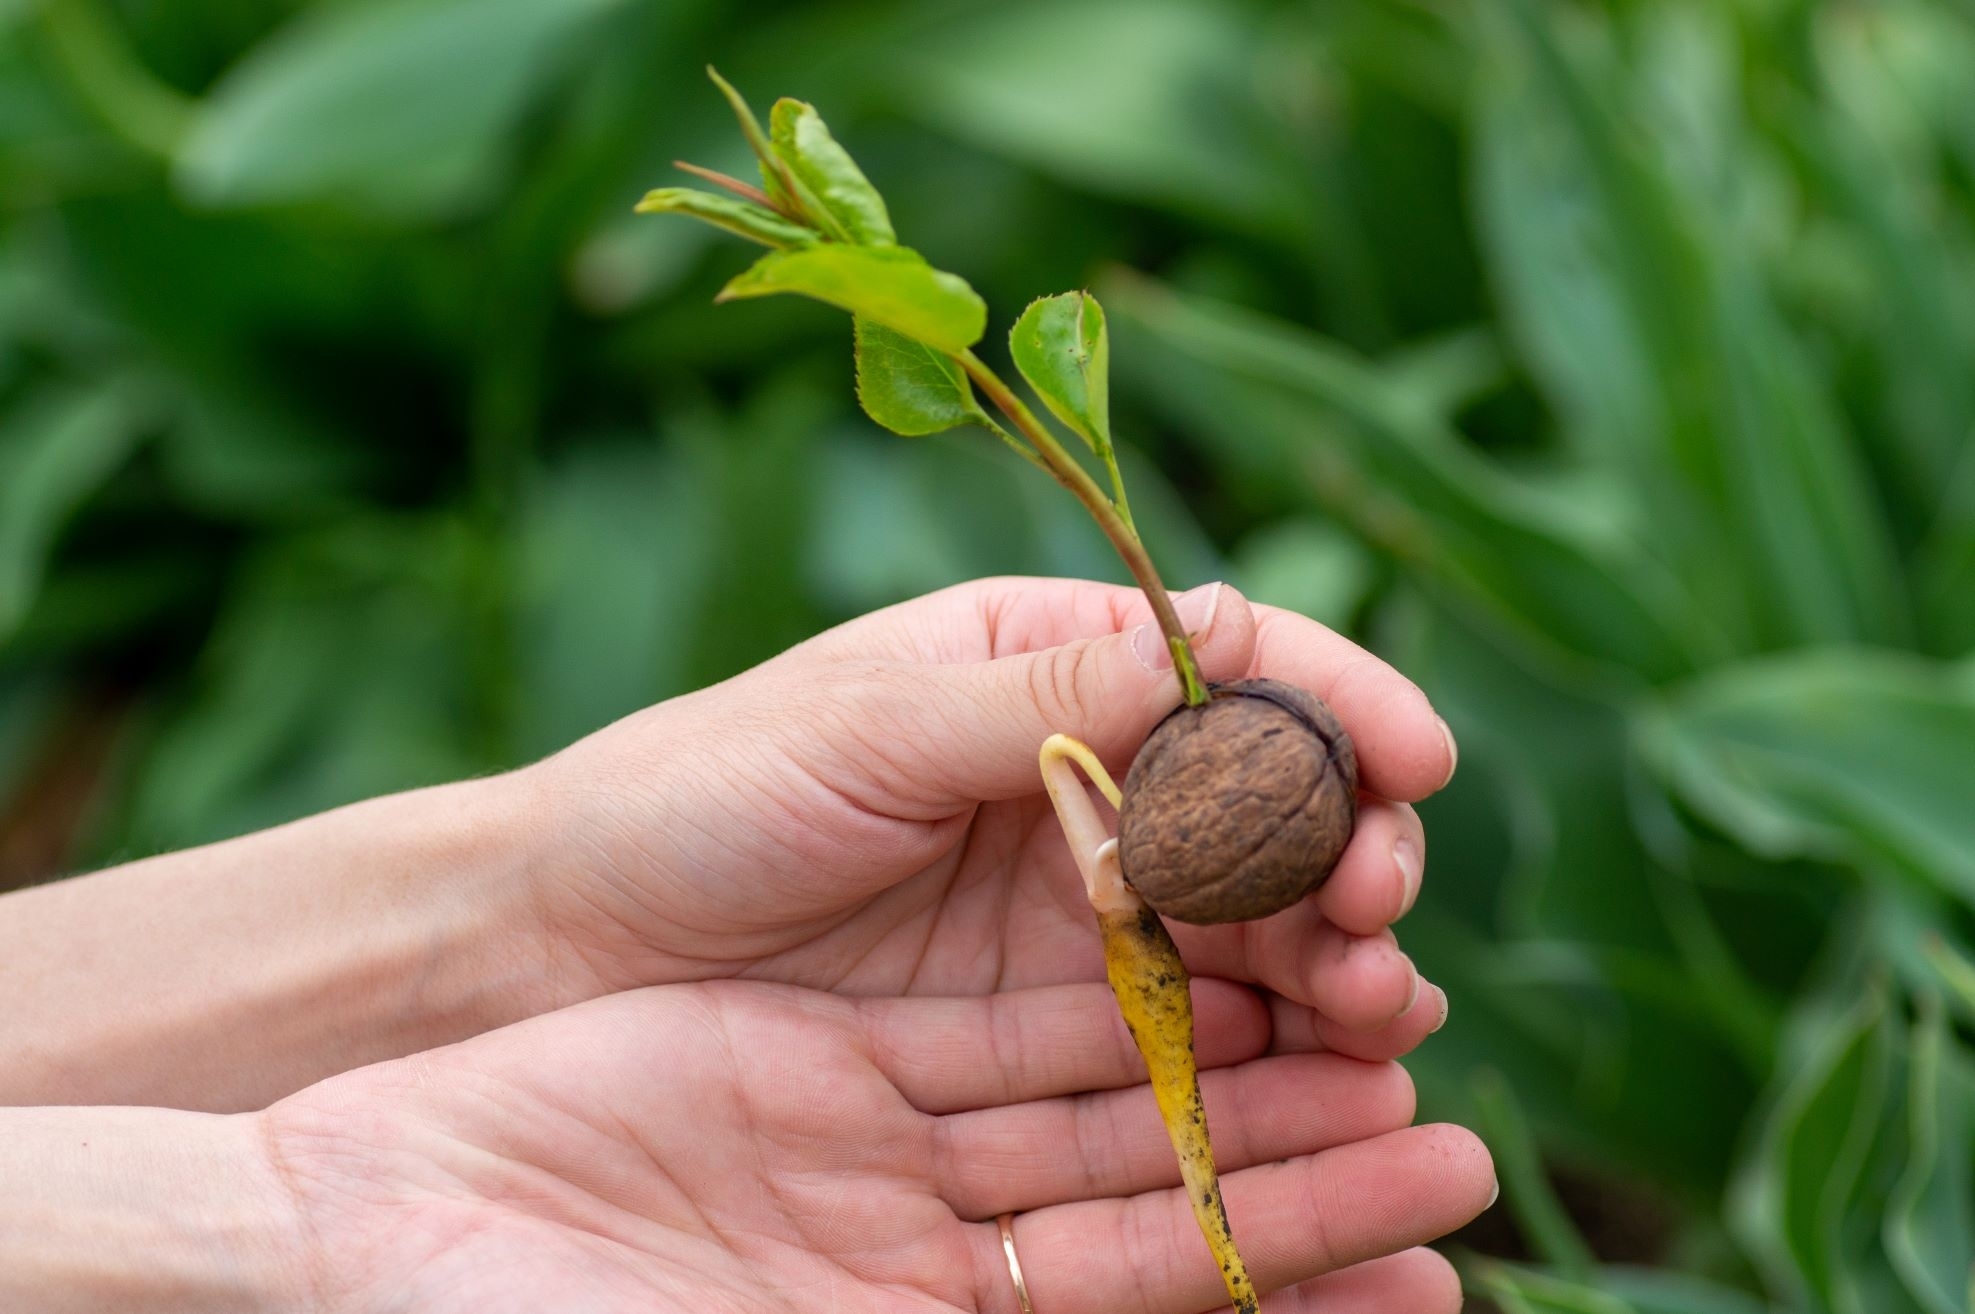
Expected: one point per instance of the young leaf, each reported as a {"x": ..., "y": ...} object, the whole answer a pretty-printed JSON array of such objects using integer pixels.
[
  {"x": 825, "y": 173},
  {"x": 889, "y": 285},
  {"x": 729, "y": 212},
  {"x": 771, "y": 167},
  {"x": 1060, "y": 346},
  {"x": 908, "y": 387}
]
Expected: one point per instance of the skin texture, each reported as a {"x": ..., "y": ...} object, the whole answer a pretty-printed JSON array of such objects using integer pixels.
[
  {"x": 862, "y": 813},
  {"x": 737, "y": 1147},
  {"x": 878, "y": 786}
]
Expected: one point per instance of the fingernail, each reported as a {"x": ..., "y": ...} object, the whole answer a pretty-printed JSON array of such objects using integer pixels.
[
  {"x": 1406, "y": 856},
  {"x": 1443, "y": 1010},
  {"x": 1453, "y": 750},
  {"x": 1413, "y": 997},
  {"x": 1195, "y": 609},
  {"x": 1494, "y": 1195}
]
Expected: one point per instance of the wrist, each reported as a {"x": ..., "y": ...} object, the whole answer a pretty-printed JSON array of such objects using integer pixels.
[{"x": 144, "y": 1211}]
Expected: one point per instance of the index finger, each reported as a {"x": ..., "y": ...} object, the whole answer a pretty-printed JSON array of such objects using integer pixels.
[{"x": 1405, "y": 750}]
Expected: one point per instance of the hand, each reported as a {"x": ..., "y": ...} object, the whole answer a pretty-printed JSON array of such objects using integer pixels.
[
  {"x": 741, "y": 1147},
  {"x": 864, "y": 812}
]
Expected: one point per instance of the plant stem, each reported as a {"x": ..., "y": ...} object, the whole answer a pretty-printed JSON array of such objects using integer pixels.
[
  {"x": 1110, "y": 458},
  {"x": 1116, "y": 526}
]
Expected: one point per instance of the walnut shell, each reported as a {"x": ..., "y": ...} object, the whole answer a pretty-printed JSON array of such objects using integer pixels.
[{"x": 1238, "y": 808}]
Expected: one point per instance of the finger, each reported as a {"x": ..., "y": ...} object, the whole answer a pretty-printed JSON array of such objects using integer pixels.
[
  {"x": 948, "y": 1055},
  {"x": 984, "y": 619},
  {"x": 1298, "y": 1029},
  {"x": 1294, "y": 1221},
  {"x": 1113, "y": 1143},
  {"x": 942, "y": 736},
  {"x": 1405, "y": 751},
  {"x": 1416, "y": 1281},
  {"x": 1360, "y": 982},
  {"x": 1379, "y": 875}
]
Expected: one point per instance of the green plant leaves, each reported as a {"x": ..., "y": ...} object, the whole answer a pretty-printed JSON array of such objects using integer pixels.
[
  {"x": 1277, "y": 401},
  {"x": 1539, "y": 1215},
  {"x": 1930, "y": 1226},
  {"x": 54, "y": 451},
  {"x": 1857, "y": 756},
  {"x": 908, "y": 387},
  {"x": 743, "y": 218},
  {"x": 889, "y": 285},
  {"x": 1523, "y": 1291},
  {"x": 1061, "y": 347},
  {"x": 302, "y": 118},
  {"x": 1672, "y": 363},
  {"x": 1806, "y": 1199},
  {"x": 827, "y": 182},
  {"x": 771, "y": 171}
]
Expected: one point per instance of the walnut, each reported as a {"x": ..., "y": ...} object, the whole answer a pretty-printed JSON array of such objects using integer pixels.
[{"x": 1238, "y": 808}]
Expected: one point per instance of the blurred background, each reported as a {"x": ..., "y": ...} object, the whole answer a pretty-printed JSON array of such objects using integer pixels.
[{"x": 1608, "y": 366}]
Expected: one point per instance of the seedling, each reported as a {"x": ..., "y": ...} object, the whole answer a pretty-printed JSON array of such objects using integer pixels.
[{"x": 1242, "y": 800}]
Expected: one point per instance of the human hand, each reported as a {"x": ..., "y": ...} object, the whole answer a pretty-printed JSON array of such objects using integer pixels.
[
  {"x": 864, "y": 813},
  {"x": 737, "y": 1147}
]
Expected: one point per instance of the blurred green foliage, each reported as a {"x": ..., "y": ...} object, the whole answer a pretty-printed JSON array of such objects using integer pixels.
[{"x": 1609, "y": 366}]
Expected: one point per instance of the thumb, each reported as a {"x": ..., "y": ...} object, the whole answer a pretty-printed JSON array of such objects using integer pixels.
[{"x": 985, "y": 721}]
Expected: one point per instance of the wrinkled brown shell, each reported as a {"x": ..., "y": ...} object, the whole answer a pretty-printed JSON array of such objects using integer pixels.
[{"x": 1237, "y": 809}]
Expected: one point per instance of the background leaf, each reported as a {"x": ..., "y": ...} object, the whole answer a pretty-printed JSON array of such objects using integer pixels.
[
  {"x": 297, "y": 120},
  {"x": 54, "y": 452},
  {"x": 1854, "y": 755}
]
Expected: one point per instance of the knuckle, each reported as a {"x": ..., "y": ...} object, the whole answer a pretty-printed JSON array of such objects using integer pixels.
[{"x": 1056, "y": 683}]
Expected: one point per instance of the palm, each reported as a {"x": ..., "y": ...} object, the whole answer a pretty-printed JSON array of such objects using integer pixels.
[
  {"x": 740, "y": 1147},
  {"x": 495, "y": 1182}
]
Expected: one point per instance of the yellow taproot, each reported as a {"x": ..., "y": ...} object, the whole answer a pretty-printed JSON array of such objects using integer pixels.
[{"x": 1151, "y": 984}]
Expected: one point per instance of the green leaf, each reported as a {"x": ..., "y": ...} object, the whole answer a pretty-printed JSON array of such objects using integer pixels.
[
  {"x": 1930, "y": 1226},
  {"x": 400, "y": 107},
  {"x": 889, "y": 285},
  {"x": 1666, "y": 357},
  {"x": 1523, "y": 1291},
  {"x": 599, "y": 602},
  {"x": 1061, "y": 348},
  {"x": 1540, "y": 1216},
  {"x": 1157, "y": 117},
  {"x": 744, "y": 218},
  {"x": 1283, "y": 405},
  {"x": 908, "y": 387},
  {"x": 1664, "y": 1291},
  {"x": 771, "y": 168},
  {"x": 1847, "y": 755},
  {"x": 338, "y": 670},
  {"x": 827, "y": 179},
  {"x": 54, "y": 451},
  {"x": 1304, "y": 565},
  {"x": 1804, "y": 1200}
]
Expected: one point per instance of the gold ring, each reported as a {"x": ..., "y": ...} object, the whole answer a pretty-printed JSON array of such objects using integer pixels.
[{"x": 1007, "y": 1225}]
